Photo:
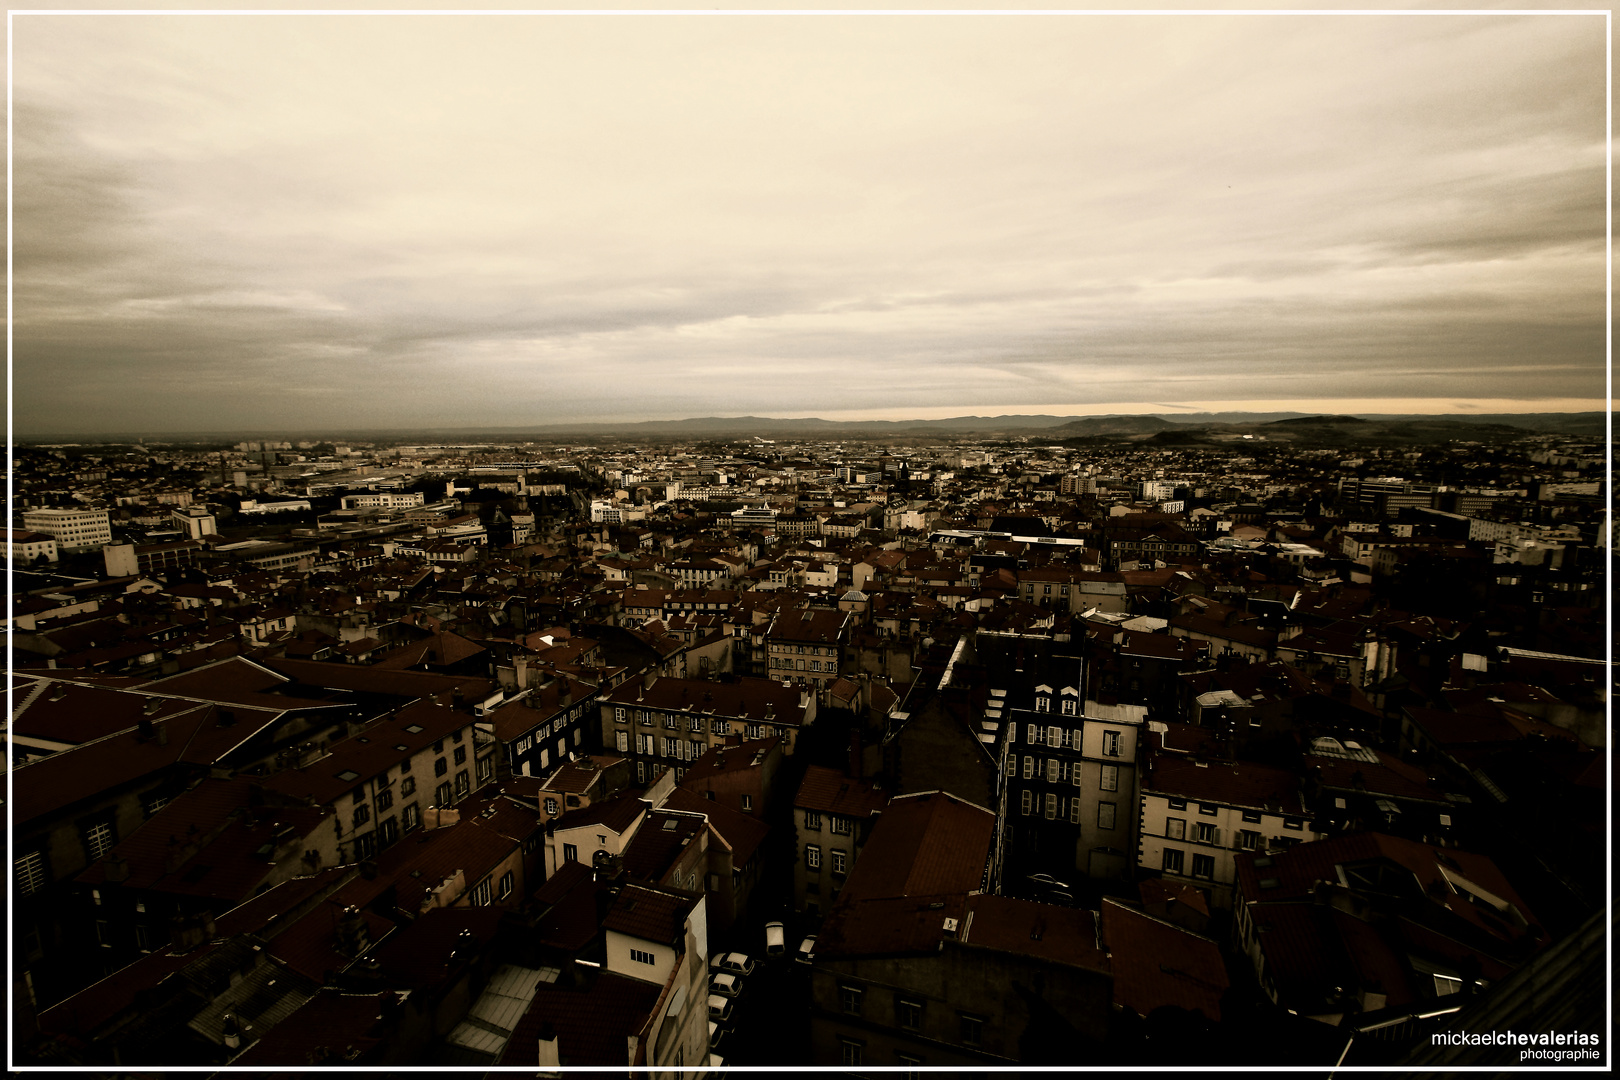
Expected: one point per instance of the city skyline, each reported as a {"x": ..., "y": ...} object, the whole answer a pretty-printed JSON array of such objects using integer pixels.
[{"x": 374, "y": 221}]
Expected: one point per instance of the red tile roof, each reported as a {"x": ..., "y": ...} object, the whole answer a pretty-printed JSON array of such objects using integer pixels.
[
  {"x": 1060, "y": 934},
  {"x": 592, "y": 1025},
  {"x": 831, "y": 792},
  {"x": 1230, "y": 783},
  {"x": 924, "y": 845},
  {"x": 740, "y": 832},
  {"x": 1156, "y": 963},
  {"x": 650, "y": 914}
]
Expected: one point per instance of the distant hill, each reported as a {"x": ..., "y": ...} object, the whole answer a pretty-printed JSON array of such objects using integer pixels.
[{"x": 1216, "y": 427}]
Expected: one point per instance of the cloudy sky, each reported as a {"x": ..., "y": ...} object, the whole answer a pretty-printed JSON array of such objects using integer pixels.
[{"x": 346, "y": 221}]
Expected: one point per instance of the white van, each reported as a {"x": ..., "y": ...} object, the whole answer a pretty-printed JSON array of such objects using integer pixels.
[{"x": 775, "y": 939}]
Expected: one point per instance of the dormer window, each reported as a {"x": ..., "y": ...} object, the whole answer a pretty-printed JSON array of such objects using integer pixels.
[{"x": 1044, "y": 704}]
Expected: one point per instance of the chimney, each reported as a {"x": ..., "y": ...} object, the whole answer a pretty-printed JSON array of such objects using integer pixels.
[
  {"x": 352, "y": 934},
  {"x": 161, "y": 730},
  {"x": 549, "y": 1054}
]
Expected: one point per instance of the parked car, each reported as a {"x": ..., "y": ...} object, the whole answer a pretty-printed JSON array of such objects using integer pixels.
[
  {"x": 1044, "y": 881},
  {"x": 719, "y": 1009},
  {"x": 807, "y": 949},
  {"x": 1060, "y": 897},
  {"x": 717, "y": 1036},
  {"x": 725, "y": 985},
  {"x": 775, "y": 939},
  {"x": 733, "y": 963}
]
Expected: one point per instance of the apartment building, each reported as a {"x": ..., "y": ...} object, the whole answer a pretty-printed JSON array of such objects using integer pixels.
[
  {"x": 383, "y": 780},
  {"x": 73, "y": 530},
  {"x": 670, "y": 723},
  {"x": 804, "y": 646}
]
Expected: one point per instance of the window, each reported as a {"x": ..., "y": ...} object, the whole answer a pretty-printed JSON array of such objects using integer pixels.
[
  {"x": 486, "y": 767},
  {"x": 908, "y": 1012},
  {"x": 850, "y": 1051},
  {"x": 1026, "y": 800},
  {"x": 642, "y": 957},
  {"x": 1068, "y": 706},
  {"x": 1175, "y": 828},
  {"x": 1074, "y": 811},
  {"x": 907, "y": 1059},
  {"x": 838, "y": 856},
  {"x": 1248, "y": 839},
  {"x": 438, "y": 747},
  {"x": 480, "y": 893},
  {"x": 463, "y": 785},
  {"x": 1110, "y": 778},
  {"x": 1208, "y": 809},
  {"x": 387, "y": 831},
  {"x": 30, "y": 873},
  {"x": 618, "y": 716},
  {"x": 812, "y": 856},
  {"x": 1203, "y": 866},
  {"x": 441, "y": 795},
  {"x": 841, "y": 826},
  {"x": 1033, "y": 735},
  {"x": 812, "y": 820},
  {"x": 645, "y": 717},
  {"x": 365, "y": 846},
  {"x": 385, "y": 799},
  {"x": 671, "y": 721},
  {"x": 551, "y": 807},
  {"x": 1178, "y": 804},
  {"x": 971, "y": 1029},
  {"x": 850, "y": 999},
  {"x": 1029, "y": 768},
  {"x": 461, "y": 755},
  {"x": 98, "y": 839},
  {"x": 1105, "y": 815},
  {"x": 411, "y": 817},
  {"x": 1252, "y": 816},
  {"x": 457, "y": 734},
  {"x": 570, "y": 853},
  {"x": 440, "y": 767},
  {"x": 1054, "y": 736},
  {"x": 1051, "y": 807},
  {"x": 1208, "y": 834},
  {"x": 1052, "y": 770},
  {"x": 694, "y": 723},
  {"x": 720, "y": 727},
  {"x": 1012, "y": 764},
  {"x": 1173, "y": 860},
  {"x": 1293, "y": 823},
  {"x": 407, "y": 786},
  {"x": 1111, "y": 744}
]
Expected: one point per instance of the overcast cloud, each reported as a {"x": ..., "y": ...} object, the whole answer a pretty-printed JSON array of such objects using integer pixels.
[{"x": 325, "y": 221}]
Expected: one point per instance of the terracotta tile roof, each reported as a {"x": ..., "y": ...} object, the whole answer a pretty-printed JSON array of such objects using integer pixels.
[
  {"x": 236, "y": 680},
  {"x": 1159, "y": 891},
  {"x": 1294, "y": 873},
  {"x": 923, "y": 845},
  {"x": 347, "y": 1025},
  {"x": 520, "y": 716},
  {"x": 740, "y": 832},
  {"x": 650, "y": 914},
  {"x": 1391, "y": 777},
  {"x": 1156, "y": 963},
  {"x": 658, "y": 843},
  {"x": 831, "y": 792},
  {"x": 1060, "y": 934},
  {"x": 729, "y": 758},
  {"x": 62, "y": 779},
  {"x": 592, "y": 1024},
  {"x": 70, "y": 712},
  {"x": 441, "y": 649},
  {"x": 369, "y": 753},
  {"x": 1230, "y": 783},
  {"x": 362, "y": 678},
  {"x": 619, "y": 814},
  {"x": 888, "y": 926},
  {"x": 747, "y": 699},
  {"x": 418, "y": 955},
  {"x": 309, "y": 945}
]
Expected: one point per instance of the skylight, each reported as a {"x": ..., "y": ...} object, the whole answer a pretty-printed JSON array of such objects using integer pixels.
[{"x": 348, "y": 774}]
